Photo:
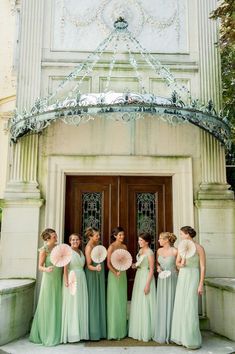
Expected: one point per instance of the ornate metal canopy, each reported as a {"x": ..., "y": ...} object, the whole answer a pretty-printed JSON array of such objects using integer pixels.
[{"x": 74, "y": 107}]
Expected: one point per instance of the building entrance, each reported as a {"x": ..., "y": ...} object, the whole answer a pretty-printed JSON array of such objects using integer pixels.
[{"x": 133, "y": 202}]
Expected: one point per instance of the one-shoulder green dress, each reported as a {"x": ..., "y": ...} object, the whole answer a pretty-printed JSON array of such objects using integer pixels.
[
  {"x": 165, "y": 299},
  {"x": 185, "y": 322},
  {"x": 46, "y": 327},
  {"x": 143, "y": 307},
  {"x": 75, "y": 306},
  {"x": 96, "y": 303}
]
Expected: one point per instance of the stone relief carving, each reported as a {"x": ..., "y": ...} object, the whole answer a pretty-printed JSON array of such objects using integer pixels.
[{"x": 163, "y": 20}]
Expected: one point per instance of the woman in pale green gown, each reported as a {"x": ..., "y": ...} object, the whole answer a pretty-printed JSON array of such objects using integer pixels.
[
  {"x": 46, "y": 326},
  {"x": 96, "y": 289},
  {"x": 116, "y": 291},
  {"x": 143, "y": 301},
  {"x": 166, "y": 258},
  {"x": 185, "y": 322},
  {"x": 75, "y": 306}
]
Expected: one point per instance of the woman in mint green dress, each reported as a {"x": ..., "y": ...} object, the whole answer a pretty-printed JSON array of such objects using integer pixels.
[
  {"x": 46, "y": 325},
  {"x": 116, "y": 291},
  {"x": 185, "y": 322},
  {"x": 166, "y": 258},
  {"x": 143, "y": 302},
  {"x": 75, "y": 305},
  {"x": 96, "y": 289}
]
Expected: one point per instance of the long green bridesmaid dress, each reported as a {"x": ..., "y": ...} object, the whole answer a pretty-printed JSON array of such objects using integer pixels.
[
  {"x": 97, "y": 303},
  {"x": 143, "y": 307},
  {"x": 46, "y": 327},
  {"x": 117, "y": 306},
  {"x": 75, "y": 307},
  {"x": 165, "y": 299},
  {"x": 185, "y": 322}
]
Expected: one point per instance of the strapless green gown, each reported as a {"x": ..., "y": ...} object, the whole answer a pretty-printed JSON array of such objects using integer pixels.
[
  {"x": 185, "y": 322},
  {"x": 165, "y": 300},
  {"x": 46, "y": 327},
  {"x": 117, "y": 306}
]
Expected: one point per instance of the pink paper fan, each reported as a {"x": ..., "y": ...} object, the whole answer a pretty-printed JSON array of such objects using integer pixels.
[
  {"x": 72, "y": 282},
  {"x": 186, "y": 248},
  {"x": 98, "y": 254},
  {"x": 121, "y": 259},
  {"x": 61, "y": 255}
]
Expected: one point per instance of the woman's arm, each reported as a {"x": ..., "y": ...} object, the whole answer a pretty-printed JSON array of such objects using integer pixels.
[
  {"x": 150, "y": 274},
  {"x": 158, "y": 264},
  {"x": 89, "y": 260},
  {"x": 202, "y": 260},
  {"x": 41, "y": 262},
  {"x": 180, "y": 262},
  {"x": 109, "y": 264}
]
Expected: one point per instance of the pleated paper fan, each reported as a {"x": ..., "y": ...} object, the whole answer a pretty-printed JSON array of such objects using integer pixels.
[
  {"x": 186, "y": 248},
  {"x": 61, "y": 255},
  {"x": 121, "y": 259},
  {"x": 98, "y": 254},
  {"x": 72, "y": 282}
]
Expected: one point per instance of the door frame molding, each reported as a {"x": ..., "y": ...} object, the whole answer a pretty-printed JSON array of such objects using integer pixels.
[{"x": 180, "y": 168}]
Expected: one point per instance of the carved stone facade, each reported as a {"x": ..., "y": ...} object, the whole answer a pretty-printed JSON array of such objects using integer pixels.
[{"x": 57, "y": 35}]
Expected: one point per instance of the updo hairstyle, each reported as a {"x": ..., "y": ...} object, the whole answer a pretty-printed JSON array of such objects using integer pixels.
[
  {"x": 90, "y": 231},
  {"x": 46, "y": 234},
  {"x": 188, "y": 230},
  {"x": 115, "y": 232},
  {"x": 169, "y": 236}
]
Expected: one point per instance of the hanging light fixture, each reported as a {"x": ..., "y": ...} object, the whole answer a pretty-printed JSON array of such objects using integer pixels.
[{"x": 72, "y": 106}]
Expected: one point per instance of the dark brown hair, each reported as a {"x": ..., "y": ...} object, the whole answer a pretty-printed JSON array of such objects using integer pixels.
[
  {"x": 46, "y": 234},
  {"x": 146, "y": 236},
  {"x": 115, "y": 232},
  {"x": 79, "y": 237},
  {"x": 188, "y": 230}
]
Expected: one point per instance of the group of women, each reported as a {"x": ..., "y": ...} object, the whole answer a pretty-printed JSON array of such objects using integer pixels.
[{"x": 166, "y": 313}]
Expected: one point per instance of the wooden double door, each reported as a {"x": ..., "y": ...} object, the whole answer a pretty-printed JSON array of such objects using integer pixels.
[{"x": 133, "y": 202}]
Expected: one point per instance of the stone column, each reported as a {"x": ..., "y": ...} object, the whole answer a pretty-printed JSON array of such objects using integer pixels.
[
  {"x": 21, "y": 206},
  {"x": 215, "y": 202},
  {"x": 23, "y": 168}
]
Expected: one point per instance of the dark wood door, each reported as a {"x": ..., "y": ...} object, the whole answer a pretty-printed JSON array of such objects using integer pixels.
[
  {"x": 91, "y": 201},
  {"x": 135, "y": 203},
  {"x": 146, "y": 206}
]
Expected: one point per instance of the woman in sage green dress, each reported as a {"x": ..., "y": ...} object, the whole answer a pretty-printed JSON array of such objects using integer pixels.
[
  {"x": 46, "y": 325},
  {"x": 75, "y": 306},
  {"x": 166, "y": 258},
  {"x": 116, "y": 291},
  {"x": 143, "y": 301},
  {"x": 185, "y": 322},
  {"x": 96, "y": 289}
]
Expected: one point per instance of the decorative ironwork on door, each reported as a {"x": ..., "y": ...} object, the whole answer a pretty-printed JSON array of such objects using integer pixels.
[
  {"x": 92, "y": 205},
  {"x": 146, "y": 205}
]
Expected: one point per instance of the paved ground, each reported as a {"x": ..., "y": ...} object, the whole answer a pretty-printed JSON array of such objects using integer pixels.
[{"x": 212, "y": 344}]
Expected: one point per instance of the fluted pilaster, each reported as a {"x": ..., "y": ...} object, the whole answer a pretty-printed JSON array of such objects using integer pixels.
[
  {"x": 23, "y": 170},
  {"x": 213, "y": 169},
  {"x": 209, "y": 58}
]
